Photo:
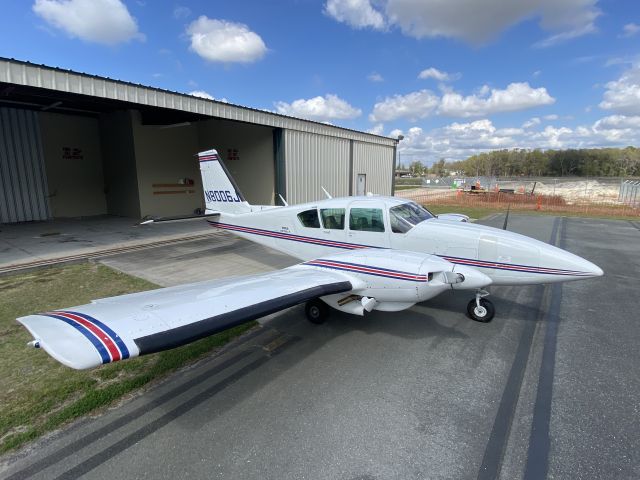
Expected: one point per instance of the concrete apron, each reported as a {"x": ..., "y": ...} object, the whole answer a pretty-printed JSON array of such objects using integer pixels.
[{"x": 34, "y": 245}]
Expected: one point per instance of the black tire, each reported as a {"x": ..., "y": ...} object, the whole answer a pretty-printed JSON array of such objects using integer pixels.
[
  {"x": 316, "y": 311},
  {"x": 484, "y": 314}
]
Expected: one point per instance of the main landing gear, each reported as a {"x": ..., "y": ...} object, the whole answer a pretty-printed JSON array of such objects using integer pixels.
[
  {"x": 316, "y": 311},
  {"x": 480, "y": 309}
]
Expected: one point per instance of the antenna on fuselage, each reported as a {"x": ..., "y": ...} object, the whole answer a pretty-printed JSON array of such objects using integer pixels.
[
  {"x": 506, "y": 217},
  {"x": 326, "y": 193},
  {"x": 283, "y": 200}
]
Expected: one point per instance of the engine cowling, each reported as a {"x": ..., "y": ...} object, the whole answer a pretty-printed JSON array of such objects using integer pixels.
[{"x": 393, "y": 280}]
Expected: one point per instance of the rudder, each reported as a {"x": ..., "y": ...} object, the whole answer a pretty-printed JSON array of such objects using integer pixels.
[{"x": 221, "y": 194}]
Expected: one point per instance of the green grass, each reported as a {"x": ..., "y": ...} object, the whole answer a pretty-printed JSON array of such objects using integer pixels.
[{"x": 37, "y": 394}]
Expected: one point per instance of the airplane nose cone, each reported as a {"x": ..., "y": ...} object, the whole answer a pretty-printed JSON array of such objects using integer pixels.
[
  {"x": 594, "y": 270},
  {"x": 567, "y": 266}
]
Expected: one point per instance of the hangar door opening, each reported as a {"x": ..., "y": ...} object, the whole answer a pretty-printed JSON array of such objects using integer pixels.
[{"x": 23, "y": 181}]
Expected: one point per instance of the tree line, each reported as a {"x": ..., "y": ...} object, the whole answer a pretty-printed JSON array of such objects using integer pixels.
[{"x": 594, "y": 162}]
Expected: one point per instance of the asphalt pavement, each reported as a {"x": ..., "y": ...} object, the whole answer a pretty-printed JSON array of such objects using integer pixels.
[{"x": 549, "y": 389}]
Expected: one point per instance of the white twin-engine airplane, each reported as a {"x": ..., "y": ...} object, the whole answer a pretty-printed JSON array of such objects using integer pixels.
[{"x": 358, "y": 254}]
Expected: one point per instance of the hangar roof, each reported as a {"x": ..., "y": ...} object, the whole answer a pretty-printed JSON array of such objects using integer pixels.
[{"x": 51, "y": 88}]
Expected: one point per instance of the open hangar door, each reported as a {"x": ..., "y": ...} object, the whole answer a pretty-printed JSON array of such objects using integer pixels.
[
  {"x": 248, "y": 153},
  {"x": 50, "y": 166},
  {"x": 23, "y": 179}
]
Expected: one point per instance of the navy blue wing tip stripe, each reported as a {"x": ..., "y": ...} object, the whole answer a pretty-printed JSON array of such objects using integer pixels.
[
  {"x": 102, "y": 351},
  {"x": 124, "y": 351}
]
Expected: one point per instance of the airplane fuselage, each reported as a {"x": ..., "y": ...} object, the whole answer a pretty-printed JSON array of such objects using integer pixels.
[{"x": 311, "y": 230}]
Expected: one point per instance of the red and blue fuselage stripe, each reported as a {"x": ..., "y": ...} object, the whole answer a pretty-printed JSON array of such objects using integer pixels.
[
  {"x": 109, "y": 345},
  {"x": 512, "y": 267},
  {"x": 207, "y": 158},
  {"x": 367, "y": 270},
  {"x": 354, "y": 246},
  {"x": 289, "y": 236}
]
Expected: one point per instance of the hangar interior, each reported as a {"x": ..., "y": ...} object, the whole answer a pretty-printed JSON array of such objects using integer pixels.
[{"x": 69, "y": 151}]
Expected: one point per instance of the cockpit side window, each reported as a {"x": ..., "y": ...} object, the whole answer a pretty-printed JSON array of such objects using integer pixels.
[
  {"x": 366, "y": 219},
  {"x": 332, "y": 218},
  {"x": 309, "y": 218},
  {"x": 407, "y": 215}
]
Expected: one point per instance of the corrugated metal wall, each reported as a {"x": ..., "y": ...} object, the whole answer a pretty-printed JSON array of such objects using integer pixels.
[
  {"x": 41, "y": 76},
  {"x": 377, "y": 162},
  {"x": 315, "y": 161},
  {"x": 23, "y": 181}
]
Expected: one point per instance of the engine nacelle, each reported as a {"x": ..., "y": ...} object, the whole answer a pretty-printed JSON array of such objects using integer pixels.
[{"x": 392, "y": 280}]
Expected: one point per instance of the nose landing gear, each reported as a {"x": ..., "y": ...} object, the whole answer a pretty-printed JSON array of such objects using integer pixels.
[{"x": 480, "y": 309}]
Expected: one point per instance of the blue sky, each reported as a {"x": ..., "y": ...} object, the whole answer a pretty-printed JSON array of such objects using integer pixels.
[{"x": 455, "y": 78}]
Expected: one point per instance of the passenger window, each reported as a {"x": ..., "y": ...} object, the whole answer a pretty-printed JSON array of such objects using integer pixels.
[
  {"x": 366, "y": 219},
  {"x": 309, "y": 218},
  {"x": 332, "y": 218}
]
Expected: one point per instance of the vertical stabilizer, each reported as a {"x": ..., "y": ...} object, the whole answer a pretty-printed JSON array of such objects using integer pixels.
[{"x": 221, "y": 194}]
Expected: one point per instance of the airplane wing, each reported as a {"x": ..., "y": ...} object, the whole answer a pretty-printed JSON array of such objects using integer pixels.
[{"x": 127, "y": 326}]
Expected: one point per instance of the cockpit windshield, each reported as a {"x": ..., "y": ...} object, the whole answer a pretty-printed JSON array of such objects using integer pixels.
[{"x": 407, "y": 215}]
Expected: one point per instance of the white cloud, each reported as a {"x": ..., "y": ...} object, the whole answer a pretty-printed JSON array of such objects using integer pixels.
[
  {"x": 375, "y": 77},
  {"x": 517, "y": 96},
  {"x": 356, "y": 13},
  {"x": 457, "y": 141},
  {"x": 564, "y": 36},
  {"x": 201, "y": 94},
  {"x": 411, "y": 106},
  {"x": 630, "y": 30},
  {"x": 181, "y": 12},
  {"x": 321, "y": 109},
  {"x": 226, "y": 42},
  {"x": 377, "y": 129},
  {"x": 101, "y": 21},
  {"x": 537, "y": 73},
  {"x": 206, "y": 95},
  {"x": 477, "y": 22},
  {"x": 532, "y": 122},
  {"x": 553, "y": 116},
  {"x": 619, "y": 129},
  {"x": 438, "y": 75},
  {"x": 486, "y": 101},
  {"x": 623, "y": 95}
]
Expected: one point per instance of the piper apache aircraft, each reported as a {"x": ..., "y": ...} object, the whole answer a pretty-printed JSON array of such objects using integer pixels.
[{"x": 358, "y": 254}]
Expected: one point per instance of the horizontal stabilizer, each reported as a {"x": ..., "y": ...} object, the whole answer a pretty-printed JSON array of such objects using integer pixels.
[{"x": 147, "y": 221}]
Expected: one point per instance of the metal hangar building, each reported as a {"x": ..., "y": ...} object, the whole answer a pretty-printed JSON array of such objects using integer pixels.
[{"x": 74, "y": 145}]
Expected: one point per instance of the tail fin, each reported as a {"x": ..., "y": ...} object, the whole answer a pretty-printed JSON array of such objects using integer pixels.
[{"x": 221, "y": 194}]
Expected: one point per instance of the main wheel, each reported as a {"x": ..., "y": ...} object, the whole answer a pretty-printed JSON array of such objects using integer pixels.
[
  {"x": 317, "y": 311},
  {"x": 484, "y": 313}
]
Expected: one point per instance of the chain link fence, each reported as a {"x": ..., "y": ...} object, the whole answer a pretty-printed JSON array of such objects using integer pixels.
[{"x": 630, "y": 193}]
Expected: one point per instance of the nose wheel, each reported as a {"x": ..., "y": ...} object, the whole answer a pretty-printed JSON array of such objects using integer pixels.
[{"x": 480, "y": 309}]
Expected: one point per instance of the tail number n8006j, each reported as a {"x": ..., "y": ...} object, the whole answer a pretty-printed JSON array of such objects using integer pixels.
[{"x": 220, "y": 196}]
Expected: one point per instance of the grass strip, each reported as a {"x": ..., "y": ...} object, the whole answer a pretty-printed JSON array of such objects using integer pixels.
[{"x": 37, "y": 394}]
